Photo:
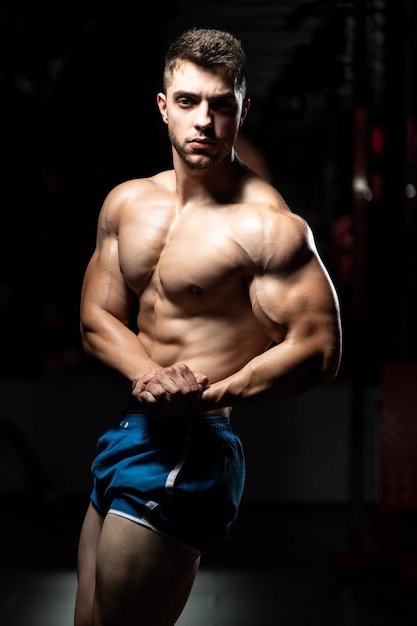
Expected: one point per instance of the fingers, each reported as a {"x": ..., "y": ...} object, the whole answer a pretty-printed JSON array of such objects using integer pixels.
[
  {"x": 171, "y": 390},
  {"x": 201, "y": 379}
]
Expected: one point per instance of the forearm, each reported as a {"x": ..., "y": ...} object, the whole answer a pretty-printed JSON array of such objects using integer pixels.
[
  {"x": 117, "y": 346},
  {"x": 281, "y": 372}
]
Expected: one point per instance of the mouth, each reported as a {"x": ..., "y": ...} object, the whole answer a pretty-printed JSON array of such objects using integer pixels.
[{"x": 201, "y": 142}]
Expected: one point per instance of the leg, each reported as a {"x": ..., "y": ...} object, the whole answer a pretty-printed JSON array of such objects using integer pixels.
[
  {"x": 142, "y": 578},
  {"x": 86, "y": 570}
]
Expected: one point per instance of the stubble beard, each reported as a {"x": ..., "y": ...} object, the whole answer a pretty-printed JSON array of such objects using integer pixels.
[{"x": 195, "y": 160}]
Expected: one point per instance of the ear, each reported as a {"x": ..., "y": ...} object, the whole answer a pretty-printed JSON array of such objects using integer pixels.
[
  {"x": 162, "y": 105},
  {"x": 245, "y": 109}
]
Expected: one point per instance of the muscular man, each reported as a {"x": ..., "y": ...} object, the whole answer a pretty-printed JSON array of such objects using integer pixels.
[{"x": 234, "y": 306}]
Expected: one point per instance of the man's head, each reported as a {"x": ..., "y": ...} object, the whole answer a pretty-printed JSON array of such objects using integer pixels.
[
  {"x": 208, "y": 48},
  {"x": 204, "y": 102}
]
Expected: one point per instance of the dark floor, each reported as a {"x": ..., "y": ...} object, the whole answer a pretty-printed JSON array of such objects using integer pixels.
[{"x": 283, "y": 565}]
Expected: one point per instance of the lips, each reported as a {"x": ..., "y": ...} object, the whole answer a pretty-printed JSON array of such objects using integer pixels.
[{"x": 201, "y": 141}]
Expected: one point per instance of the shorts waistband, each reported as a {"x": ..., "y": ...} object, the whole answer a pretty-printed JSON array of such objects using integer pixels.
[{"x": 140, "y": 421}]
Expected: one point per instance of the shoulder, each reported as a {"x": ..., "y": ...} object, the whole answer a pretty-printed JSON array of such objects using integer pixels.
[
  {"x": 138, "y": 188},
  {"x": 275, "y": 234},
  {"x": 132, "y": 195}
]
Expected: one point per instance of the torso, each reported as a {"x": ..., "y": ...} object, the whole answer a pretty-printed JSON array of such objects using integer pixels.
[{"x": 191, "y": 271}]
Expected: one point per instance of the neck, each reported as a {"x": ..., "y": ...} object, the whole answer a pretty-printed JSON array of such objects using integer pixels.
[{"x": 216, "y": 184}]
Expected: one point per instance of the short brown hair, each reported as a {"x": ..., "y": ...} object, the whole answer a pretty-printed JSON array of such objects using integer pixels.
[{"x": 208, "y": 47}]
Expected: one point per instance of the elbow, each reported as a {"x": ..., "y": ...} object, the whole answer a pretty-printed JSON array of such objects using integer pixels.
[
  {"x": 86, "y": 346},
  {"x": 329, "y": 347},
  {"x": 330, "y": 362},
  {"x": 330, "y": 371},
  {"x": 86, "y": 339}
]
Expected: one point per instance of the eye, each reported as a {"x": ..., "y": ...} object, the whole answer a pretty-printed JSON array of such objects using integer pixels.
[
  {"x": 184, "y": 102},
  {"x": 224, "y": 105}
]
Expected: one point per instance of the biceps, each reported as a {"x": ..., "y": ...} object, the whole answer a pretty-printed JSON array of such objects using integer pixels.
[{"x": 296, "y": 307}]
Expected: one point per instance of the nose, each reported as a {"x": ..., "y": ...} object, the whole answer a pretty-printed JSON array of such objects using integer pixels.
[{"x": 203, "y": 116}]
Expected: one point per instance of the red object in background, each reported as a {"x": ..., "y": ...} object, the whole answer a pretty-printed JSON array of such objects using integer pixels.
[
  {"x": 343, "y": 250},
  {"x": 377, "y": 141},
  {"x": 398, "y": 468}
]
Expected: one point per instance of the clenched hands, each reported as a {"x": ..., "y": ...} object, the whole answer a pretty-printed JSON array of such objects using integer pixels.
[{"x": 173, "y": 390}]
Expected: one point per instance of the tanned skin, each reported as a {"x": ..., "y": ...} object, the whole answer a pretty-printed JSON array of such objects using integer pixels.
[{"x": 235, "y": 308}]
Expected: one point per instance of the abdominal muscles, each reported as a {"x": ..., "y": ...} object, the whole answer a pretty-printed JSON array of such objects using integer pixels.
[{"x": 216, "y": 343}]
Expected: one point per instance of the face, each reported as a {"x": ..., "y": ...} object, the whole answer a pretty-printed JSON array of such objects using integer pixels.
[{"x": 204, "y": 112}]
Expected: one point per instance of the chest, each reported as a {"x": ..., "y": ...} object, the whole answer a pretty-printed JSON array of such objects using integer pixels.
[
  {"x": 198, "y": 263},
  {"x": 194, "y": 255}
]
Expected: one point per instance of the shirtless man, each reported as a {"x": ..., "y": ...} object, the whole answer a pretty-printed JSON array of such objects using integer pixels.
[{"x": 235, "y": 307}]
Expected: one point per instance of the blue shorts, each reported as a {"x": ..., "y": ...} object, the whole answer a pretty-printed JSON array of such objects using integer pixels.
[{"x": 182, "y": 477}]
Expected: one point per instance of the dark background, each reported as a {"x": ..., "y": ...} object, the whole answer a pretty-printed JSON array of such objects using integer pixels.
[
  {"x": 333, "y": 119},
  {"x": 78, "y": 113}
]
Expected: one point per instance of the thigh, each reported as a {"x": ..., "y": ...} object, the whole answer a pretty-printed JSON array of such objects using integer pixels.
[
  {"x": 86, "y": 566},
  {"x": 142, "y": 577}
]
